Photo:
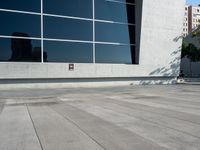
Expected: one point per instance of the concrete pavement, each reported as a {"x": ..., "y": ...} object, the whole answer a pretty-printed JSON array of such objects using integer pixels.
[{"x": 154, "y": 117}]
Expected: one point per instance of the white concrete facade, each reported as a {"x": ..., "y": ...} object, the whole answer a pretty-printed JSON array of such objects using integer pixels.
[{"x": 159, "y": 52}]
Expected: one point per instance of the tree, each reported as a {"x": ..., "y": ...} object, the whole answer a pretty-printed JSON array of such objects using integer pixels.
[
  {"x": 196, "y": 33},
  {"x": 191, "y": 52}
]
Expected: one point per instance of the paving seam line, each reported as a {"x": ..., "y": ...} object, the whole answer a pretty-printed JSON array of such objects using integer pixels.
[
  {"x": 76, "y": 125},
  {"x": 34, "y": 127}
]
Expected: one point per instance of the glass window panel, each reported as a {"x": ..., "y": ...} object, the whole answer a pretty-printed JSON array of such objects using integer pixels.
[
  {"x": 117, "y": 33},
  {"x": 77, "y": 8},
  {"x": 23, "y": 5},
  {"x": 68, "y": 52},
  {"x": 19, "y": 24},
  {"x": 20, "y": 50},
  {"x": 125, "y": 1},
  {"x": 129, "y": 1},
  {"x": 62, "y": 28},
  {"x": 131, "y": 13},
  {"x": 114, "y": 54},
  {"x": 112, "y": 11}
]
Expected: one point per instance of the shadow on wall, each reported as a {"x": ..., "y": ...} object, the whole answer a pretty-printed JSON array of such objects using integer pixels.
[
  {"x": 190, "y": 69},
  {"x": 169, "y": 71}
]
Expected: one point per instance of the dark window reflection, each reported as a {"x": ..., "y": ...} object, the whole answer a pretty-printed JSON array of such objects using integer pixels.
[
  {"x": 127, "y": 1},
  {"x": 23, "y": 5},
  {"x": 68, "y": 52},
  {"x": 20, "y": 50},
  {"x": 62, "y": 28},
  {"x": 16, "y": 22},
  {"x": 76, "y": 8},
  {"x": 114, "y": 54},
  {"x": 131, "y": 13},
  {"x": 124, "y": 1},
  {"x": 111, "y": 32},
  {"x": 118, "y": 12},
  {"x": 132, "y": 34}
]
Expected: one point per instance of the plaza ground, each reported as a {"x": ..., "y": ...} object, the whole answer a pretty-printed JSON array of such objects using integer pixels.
[{"x": 152, "y": 117}]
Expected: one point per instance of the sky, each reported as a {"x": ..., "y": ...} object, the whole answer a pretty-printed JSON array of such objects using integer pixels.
[{"x": 193, "y": 2}]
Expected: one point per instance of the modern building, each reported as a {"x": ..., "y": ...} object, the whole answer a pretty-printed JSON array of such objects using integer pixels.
[
  {"x": 90, "y": 40},
  {"x": 191, "y": 19}
]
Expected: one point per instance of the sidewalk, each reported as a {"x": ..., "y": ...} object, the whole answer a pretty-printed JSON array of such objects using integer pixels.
[
  {"x": 192, "y": 81},
  {"x": 153, "y": 117}
]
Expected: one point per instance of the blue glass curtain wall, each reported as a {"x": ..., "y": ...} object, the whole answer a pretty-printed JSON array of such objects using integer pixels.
[{"x": 71, "y": 31}]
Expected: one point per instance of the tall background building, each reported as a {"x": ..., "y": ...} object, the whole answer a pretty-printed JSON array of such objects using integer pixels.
[{"x": 191, "y": 19}]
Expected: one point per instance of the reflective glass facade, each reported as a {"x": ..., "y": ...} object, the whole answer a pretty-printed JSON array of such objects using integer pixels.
[{"x": 74, "y": 31}]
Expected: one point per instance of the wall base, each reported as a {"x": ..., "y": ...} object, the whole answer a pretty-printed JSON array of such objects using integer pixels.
[{"x": 86, "y": 82}]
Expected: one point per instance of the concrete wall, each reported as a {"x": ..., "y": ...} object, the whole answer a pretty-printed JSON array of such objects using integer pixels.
[
  {"x": 161, "y": 27},
  {"x": 195, "y": 68}
]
